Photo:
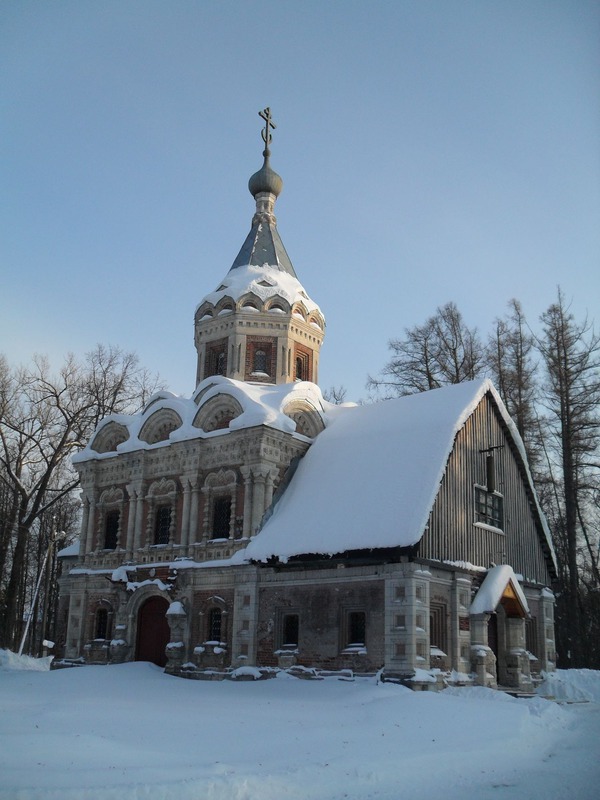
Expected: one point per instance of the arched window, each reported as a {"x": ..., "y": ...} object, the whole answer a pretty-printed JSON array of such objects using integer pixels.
[
  {"x": 162, "y": 525},
  {"x": 215, "y": 619},
  {"x": 111, "y": 529},
  {"x": 101, "y": 624}
]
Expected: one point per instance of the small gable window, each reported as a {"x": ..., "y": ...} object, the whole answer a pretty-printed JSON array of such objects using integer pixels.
[{"x": 489, "y": 508}]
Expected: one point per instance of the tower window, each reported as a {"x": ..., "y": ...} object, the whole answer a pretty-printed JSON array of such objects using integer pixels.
[
  {"x": 162, "y": 525},
  {"x": 216, "y": 358},
  {"x": 261, "y": 356},
  {"x": 260, "y": 361},
  {"x": 111, "y": 530},
  {"x": 221, "y": 517},
  {"x": 302, "y": 362}
]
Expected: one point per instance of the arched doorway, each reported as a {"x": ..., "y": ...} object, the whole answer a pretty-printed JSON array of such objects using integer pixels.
[{"x": 153, "y": 632}]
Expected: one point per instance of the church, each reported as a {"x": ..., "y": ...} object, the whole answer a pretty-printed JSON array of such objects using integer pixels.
[{"x": 256, "y": 527}]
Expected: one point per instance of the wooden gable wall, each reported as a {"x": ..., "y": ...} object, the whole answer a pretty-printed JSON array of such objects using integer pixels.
[{"x": 453, "y": 534}]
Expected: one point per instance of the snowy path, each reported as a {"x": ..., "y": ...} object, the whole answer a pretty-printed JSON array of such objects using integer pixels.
[{"x": 131, "y": 732}]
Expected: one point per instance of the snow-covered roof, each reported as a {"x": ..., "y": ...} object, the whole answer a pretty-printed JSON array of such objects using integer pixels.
[
  {"x": 491, "y": 590},
  {"x": 370, "y": 479},
  {"x": 69, "y": 551},
  {"x": 265, "y": 281},
  {"x": 260, "y": 404}
]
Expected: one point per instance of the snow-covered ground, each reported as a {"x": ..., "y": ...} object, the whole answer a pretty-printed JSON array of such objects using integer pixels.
[{"x": 132, "y": 732}]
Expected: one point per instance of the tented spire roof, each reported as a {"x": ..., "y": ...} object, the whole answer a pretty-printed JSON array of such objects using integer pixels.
[{"x": 263, "y": 245}]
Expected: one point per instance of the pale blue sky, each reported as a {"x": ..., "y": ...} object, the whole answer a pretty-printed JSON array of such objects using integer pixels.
[{"x": 430, "y": 151}]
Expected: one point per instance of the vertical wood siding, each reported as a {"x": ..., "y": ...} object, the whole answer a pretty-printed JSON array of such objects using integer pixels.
[{"x": 453, "y": 535}]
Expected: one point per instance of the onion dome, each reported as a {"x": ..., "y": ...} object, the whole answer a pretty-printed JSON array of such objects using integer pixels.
[{"x": 266, "y": 179}]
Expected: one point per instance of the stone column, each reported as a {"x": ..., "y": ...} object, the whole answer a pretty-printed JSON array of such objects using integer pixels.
[
  {"x": 483, "y": 660},
  {"x": 85, "y": 510},
  {"x": 193, "y": 528},
  {"x": 460, "y": 624},
  {"x": 247, "y": 521},
  {"x": 185, "y": 514},
  {"x": 258, "y": 497},
  {"x": 89, "y": 544},
  {"x": 232, "y": 512},
  {"x": 271, "y": 478},
  {"x": 130, "y": 520},
  {"x": 518, "y": 668},
  {"x": 139, "y": 512},
  {"x": 206, "y": 521}
]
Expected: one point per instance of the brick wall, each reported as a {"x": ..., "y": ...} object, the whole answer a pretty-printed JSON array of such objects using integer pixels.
[{"x": 322, "y": 611}]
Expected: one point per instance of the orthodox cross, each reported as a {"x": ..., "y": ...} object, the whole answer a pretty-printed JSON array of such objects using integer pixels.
[{"x": 266, "y": 134}]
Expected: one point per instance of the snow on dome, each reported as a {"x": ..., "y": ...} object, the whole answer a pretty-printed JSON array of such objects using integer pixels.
[
  {"x": 265, "y": 282},
  {"x": 371, "y": 477},
  {"x": 261, "y": 404}
]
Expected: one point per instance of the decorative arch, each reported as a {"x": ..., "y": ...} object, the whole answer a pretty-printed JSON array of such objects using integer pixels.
[
  {"x": 307, "y": 418},
  {"x": 101, "y": 620},
  {"x": 110, "y": 437},
  {"x": 224, "y": 306},
  {"x": 217, "y": 413},
  {"x": 213, "y": 618},
  {"x": 316, "y": 320},
  {"x": 278, "y": 305},
  {"x": 250, "y": 302},
  {"x": 147, "y": 610},
  {"x": 205, "y": 311},
  {"x": 160, "y": 425},
  {"x": 298, "y": 310},
  {"x": 112, "y": 495}
]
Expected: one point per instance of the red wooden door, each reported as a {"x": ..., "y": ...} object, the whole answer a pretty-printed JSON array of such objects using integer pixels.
[{"x": 153, "y": 633}]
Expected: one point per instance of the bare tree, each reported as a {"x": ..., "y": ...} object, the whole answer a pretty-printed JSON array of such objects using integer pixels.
[
  {"x": 571, "y": 354},
  {"x": 335, "y": 394},
  {"x": 44, "y": 418},
  {"x": 440, "y": 352},
  {"x": 510, "y": 358}
]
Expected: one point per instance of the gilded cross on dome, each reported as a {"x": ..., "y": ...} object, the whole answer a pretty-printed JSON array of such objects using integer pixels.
[{"x": 266, "y": 134}]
